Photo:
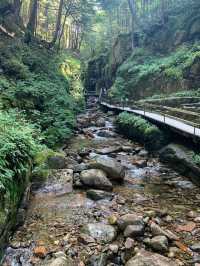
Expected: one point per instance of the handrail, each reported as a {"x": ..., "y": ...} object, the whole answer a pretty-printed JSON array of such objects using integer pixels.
[{"x": 187, "y": 122}]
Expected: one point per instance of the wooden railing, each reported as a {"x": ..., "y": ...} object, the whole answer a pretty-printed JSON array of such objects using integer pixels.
[{"x": 151, "y": 108}]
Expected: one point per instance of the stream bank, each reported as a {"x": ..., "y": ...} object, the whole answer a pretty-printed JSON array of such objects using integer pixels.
[{"x": 144, "y": 214}]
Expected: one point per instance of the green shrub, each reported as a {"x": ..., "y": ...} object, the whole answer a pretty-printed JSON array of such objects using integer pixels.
[
  {"x": 15, "y": 69},
  {"x": 140, "y": 130},
  {"x": 18, "y": 146}
]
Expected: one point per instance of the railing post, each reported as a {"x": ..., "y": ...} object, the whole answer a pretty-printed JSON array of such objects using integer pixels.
[
  {"x": 164, "y": 118},
  {"x": 144, "y": 110},
  {"x": 194, "y": 130}
]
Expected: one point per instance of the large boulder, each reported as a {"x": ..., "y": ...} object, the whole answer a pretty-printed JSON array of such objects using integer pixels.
[
  {"x": 101, "y": 232},
  {"x": 145, "y": 258},
  {"x": 113, "y": 169},
  {"x": 95, "y": 178},
  {"x": 181, "y": 159}
]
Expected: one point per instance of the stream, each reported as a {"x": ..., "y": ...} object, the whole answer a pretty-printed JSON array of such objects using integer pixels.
[{"x": 60, "y": 208}]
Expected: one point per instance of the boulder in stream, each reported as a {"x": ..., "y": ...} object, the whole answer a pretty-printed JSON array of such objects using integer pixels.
[
  {"x": 181, "y": 159},
  {"x": 113, "y": 169},
  {"x": 96, "y": 178},
  {"x": 145, "y": 258},
  {"x": 101, "y": 232}
]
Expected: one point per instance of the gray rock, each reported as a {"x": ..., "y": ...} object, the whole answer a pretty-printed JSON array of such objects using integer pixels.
[
  {"x": 196, "y": 247},
  {"x": 99, "y": 194},
  {"x": 157, "y": 230},
  {"x": 113, "y": 168},
  {"x": 143, "y": 153},
  {"x": 95, "y": 178},
  {"x": 159, "y": 243},
  {"x": 130, "y": 219},
  {"x": 61, "y": 261},
  {"x": 181, "y": 159},
  {"x": 134, "y": 230},
  {"x": 145, "y": 258},
  {"x": 108, "y": 150},
  {"x": 106, "y": 134},
  {"x": 98, "y": 260},
  {"x": 129, "y": 243},
  {"x": 100, "y": 122},
  {"x": 80, "y": 167},
  {"x": 101, "y": 232}
]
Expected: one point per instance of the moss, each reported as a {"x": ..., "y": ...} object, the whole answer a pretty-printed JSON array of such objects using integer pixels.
[{"x": 141, "y": 130}]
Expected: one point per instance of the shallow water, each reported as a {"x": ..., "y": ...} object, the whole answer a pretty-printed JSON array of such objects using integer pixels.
[{"x": 53, "y": 217}]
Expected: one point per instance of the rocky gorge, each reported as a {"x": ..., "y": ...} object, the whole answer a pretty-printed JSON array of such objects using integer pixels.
[{"x": 110, "y": 203}]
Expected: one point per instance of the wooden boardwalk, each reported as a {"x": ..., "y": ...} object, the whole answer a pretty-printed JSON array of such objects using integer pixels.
[{"x": 174, "y": 122}]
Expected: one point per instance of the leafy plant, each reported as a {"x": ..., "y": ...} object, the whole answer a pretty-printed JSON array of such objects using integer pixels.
[{"x": 141, "y": 130}]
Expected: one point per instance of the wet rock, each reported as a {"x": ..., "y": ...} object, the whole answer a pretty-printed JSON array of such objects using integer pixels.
[
  {"x": 101, "y": 232},
  {"x": 130, "y": 219},
  {"x": 195, "y": 247},
  {"x": 80, "y": 167},
  {"x": 129, "y": 243},
  {"x": 59, "y": 254},
  {"x": 98, "y": 260},
  {"x": 99, "y": 194},
  {"x": 114, "y": 248},
  {"x": 140, "y": 163},
  {"x": 108, "y": 150},
  {"x": 127, "y": 148},
  {"x": 157, "y": 230},
  {"x": 159, "y": 243},
  {"x": 57, "y": 162},
  {"x": 95, "y": 178},
  {"x": 86, "y": 239},
  {"x": 113, "y": 168},
  {"x": 106, "y": 134},
  {"x": 145, "y": 258},
  {"x": 143, "y": 153},
  {"x": 134, "y": 230},
  {"x": 61, "y": 261},
  {"x": 100, "y": 122},
  {"x": 181, "y": 159}
]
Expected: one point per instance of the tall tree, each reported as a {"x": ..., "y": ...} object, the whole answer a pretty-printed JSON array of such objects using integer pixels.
[
  {"x": 32, "y": 23},
  {"x": 58, "y": 23},
  {"x": 131, "y": 4}
]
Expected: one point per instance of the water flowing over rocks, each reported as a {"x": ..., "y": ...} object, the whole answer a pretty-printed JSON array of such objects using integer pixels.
[{"x": 112, "y": 204}]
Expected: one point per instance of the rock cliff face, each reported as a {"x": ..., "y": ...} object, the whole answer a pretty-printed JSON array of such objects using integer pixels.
[{"x": 166, "y": 59}]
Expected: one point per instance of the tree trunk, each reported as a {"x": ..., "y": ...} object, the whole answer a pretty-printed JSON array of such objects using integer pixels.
[
  {"x": 58, "y": 23},
  {"x": 131, "y": 4},
  {"x": 32, "y": 23}
]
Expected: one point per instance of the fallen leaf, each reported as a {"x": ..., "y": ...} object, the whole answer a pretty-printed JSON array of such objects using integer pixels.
[{"x": 183, "y": 247}]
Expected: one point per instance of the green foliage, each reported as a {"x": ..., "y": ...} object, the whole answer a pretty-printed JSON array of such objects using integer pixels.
[
  {"x": 15, "y": 69},
  {"x": 196, "y": 159},
  {"x": 143, "y": 70},
  {"x": 47, "y": 88},
  {"x": 19, "y": 142},
  {"x": 140, "y": 130}
]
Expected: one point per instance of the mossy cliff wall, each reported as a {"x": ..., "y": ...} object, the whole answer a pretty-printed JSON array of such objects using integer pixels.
[{"x": 166, "y": 59}]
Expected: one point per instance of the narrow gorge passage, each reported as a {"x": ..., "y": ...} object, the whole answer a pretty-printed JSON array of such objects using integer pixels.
[{"x": 70, "y": 223}]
